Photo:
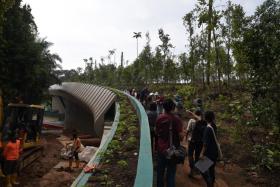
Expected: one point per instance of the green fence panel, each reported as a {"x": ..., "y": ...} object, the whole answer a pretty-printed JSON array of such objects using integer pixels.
[{"x": 144, "y": 176}]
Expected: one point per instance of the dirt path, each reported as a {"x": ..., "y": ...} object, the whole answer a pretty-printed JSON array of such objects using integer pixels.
[
  {"x": 231, "y": 176},
  {"x": 32, "y": 175}
]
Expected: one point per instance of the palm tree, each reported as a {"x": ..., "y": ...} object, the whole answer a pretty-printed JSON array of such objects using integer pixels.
[
  {"x": 137, "y": 35},
  {"x": 112, "y": 52},
  {"x": 102, "y": 60}
]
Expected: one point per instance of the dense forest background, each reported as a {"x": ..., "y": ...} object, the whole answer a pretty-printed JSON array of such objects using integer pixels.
[
  {"x": 27, "y": 65},
  {"x": 231, "y": 57}
]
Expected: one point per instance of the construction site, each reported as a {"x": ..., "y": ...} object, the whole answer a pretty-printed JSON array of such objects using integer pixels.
[
  {"x": 46, "y": 136},
  {"x": 139, "y": 93}
]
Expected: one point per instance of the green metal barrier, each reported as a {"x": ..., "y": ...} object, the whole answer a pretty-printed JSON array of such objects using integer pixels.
[
  {"x": 144, "y": 176},
  {"x": 82, "y": 179}
]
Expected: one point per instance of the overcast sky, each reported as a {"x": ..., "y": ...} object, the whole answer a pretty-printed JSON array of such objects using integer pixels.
[{"x": 90, "y": 28}]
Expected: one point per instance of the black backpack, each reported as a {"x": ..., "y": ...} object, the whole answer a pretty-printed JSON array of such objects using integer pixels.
[{"x": 197, "y": 133}]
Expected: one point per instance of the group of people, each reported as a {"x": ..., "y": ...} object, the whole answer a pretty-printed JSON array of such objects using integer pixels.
[
  {"x": 9, "y": 158},
  {"x": 146, "y": 98},
  {"x": 200, "y": 133}
]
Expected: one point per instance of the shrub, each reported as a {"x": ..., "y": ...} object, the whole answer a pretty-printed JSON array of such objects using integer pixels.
[{"x": 123, "y": 164}]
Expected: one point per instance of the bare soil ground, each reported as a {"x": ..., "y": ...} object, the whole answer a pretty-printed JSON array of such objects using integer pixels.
[
  {"x": 41, "y": 172},
  {"x": 227, "y": 175},
  {"x": 230, "y": 173}
]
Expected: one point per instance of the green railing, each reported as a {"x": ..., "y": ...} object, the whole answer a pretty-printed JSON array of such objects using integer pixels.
[
  {"x": 82, "y": 179},
  {"x": 144, "y": 176}
]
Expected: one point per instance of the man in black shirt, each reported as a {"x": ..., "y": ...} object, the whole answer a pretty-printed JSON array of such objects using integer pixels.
[{"x": 210, "y": 148}]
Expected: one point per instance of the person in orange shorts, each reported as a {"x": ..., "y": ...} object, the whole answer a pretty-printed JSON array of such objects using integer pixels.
[
  {"x": 11, "y": 154},
  {"x": 76, "y": 146}
]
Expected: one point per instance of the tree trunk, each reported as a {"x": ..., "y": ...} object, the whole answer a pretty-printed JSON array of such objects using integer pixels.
[
  {"x": 210, "y": 12},
  {"x": 137, "y": 46},
  {"x": 203, "y": 74},
  {"x": 229, "y": 64},
  {"x": 191, "y": 60},
  {"x": 218, "y": 64}
]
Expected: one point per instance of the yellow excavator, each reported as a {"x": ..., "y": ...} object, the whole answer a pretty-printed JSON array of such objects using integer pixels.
[{"x": 25, "y": 121}]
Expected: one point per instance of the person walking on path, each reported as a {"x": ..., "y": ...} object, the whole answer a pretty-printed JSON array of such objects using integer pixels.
[
  {"x": 163, "y": 143},
  {"x": 152, "y": 117},
  {"x": 194, "y": 136},
  {"x": 143, "y": 96},
  {"x": 11, "y": 154},
  {"x": 76, "y": 146},
  {"x": 210, "y": 148},
  {"x": 159, "y": 101}
]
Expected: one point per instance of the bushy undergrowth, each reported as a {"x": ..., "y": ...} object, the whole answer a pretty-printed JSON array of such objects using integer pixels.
[
  {"x": 122, "y": 151},
  {"x": 249, "y": 123}
]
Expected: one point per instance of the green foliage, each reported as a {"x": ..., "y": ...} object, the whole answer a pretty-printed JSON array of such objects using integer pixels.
[
  {"x": 187, "y": 93},
  {"x": 131, "y": 143},
  {"x": 28, "y": 67},
  {"x": 5, "y": 5},
  {"x": 124, "y": 140},
  {"x": 122, "y": 164},
  {"x": 114, "y": 145},
  {"x": 267, "y": 156},
  {"x": 132, "y": 129},
  {"x": 121, "y": 129},
  {"x": 261, "y": 46}
]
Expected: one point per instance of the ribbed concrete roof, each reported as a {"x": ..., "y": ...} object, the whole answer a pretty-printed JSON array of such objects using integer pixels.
[{"x": 95, "y": 99}]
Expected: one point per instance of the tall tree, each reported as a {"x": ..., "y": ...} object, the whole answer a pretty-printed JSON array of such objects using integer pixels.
[
  {"x": 4, "y": 7},
  {"x": 137, "y": 35},
  {"x": 165, "y": 48},
  {"x": 122, "y": 59},
  {"x": 215, "y": 26},
  {"x": 239, "y": 25},
  {"x": 204, "y": 13},
  {"x": 27, "y": 66},
  {"x": 209, "y": 30},
  {"x": 261, "y": 45},
  {"x": 111, "y": 53},
  {"x": 188, "y": 21},
  {"x": 227, "y": 35}
]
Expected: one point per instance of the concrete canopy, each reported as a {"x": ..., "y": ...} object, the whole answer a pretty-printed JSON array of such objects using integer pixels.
[{"x": 84, "y": 105}]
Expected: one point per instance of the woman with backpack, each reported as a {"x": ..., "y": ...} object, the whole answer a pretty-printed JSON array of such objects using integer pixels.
[
  {"x": 167, "y": 125},
  {"x": 194, "y": 136}
]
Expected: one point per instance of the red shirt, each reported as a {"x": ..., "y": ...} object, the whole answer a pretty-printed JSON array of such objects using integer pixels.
[
  {"x": 11, "y": 151},
  {"x": 162, "y": 131}
]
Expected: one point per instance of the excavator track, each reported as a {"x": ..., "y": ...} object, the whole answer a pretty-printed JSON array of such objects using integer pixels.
[{"x": 29, "y": 156}]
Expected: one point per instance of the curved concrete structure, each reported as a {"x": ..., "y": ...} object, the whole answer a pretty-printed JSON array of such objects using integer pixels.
[{"x": 85, "y": 106}]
